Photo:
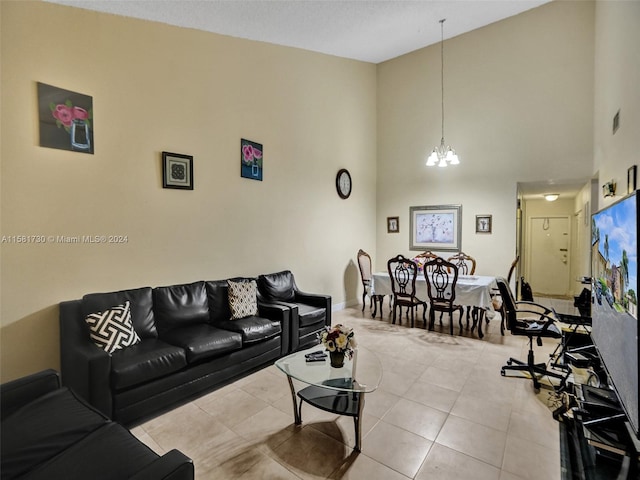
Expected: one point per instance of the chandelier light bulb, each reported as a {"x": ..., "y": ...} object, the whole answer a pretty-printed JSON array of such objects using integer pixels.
[{"x": 432, "y": 159}]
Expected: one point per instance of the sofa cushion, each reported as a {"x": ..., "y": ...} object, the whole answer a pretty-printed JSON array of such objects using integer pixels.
[
  {"x": 218, "y": 299},
  {"x": 43, "y": 428},
  {"x": 111, "y": 329},
  {"x": 253, "y": 329},
  {"x": 309, "y": 315},
  {"x": 203, "y": 341},
  {"x": 110, "y": 452},
  {"x": 243, "y": 301},
  {"x": 141, "y": 308},
  {"x": 277, "y": 286},
  {"x": 151, "y": 358},
  {"x": 180, "y": 305}
]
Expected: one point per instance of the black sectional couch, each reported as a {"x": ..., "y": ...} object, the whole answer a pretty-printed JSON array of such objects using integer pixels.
[
  {"x": 188, "y": 345},
  {"x": 50, "y": 433}
]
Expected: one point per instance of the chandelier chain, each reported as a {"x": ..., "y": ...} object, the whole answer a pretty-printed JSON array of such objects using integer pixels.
[
  {"x": 442, "y": 71},
  {"x": 442, "y": 155}
]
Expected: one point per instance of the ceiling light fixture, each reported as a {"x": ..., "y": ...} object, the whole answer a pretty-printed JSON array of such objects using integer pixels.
[
  {"x": 551, "y": 197},
  {"x": 441, "y": 155}
]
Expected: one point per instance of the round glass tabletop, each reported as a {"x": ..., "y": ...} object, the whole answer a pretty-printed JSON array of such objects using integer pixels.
[{"x": 362, "y": 373}]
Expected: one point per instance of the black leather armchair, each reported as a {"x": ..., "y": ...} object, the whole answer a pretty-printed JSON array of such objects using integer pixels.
[
  {"x": 50, "y": 432},
  {"x": 310, "y": 312}
]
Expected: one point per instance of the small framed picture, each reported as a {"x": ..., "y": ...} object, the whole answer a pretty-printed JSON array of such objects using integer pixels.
[
  {"x": 251, "y": 161},
  {"x": 483, "y": 223},
  {"x": 393, "y": 224},
  {"x": 177, "y": 171},
  {"x": 631, "y": 179}
]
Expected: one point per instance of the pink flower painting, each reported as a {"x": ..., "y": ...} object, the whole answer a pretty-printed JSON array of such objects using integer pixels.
[
  {"x": 251, "y": 160},
  {"x": 66, "y": 119}
]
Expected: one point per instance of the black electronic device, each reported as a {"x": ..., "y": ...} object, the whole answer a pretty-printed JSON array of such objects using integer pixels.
[{"x": 315, "y": 359}]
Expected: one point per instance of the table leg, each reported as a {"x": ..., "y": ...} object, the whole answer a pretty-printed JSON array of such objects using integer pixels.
[
  {"x": 357, "y": 421},
  {"x": 297, "y": 409},
  {"x": 480, "y": 318}
]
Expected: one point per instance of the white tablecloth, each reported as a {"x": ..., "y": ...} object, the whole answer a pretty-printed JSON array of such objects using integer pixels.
[{"x": 471, "y": 290}]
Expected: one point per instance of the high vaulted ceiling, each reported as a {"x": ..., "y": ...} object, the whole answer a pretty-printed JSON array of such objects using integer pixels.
[{"x": 367, "y": 30}]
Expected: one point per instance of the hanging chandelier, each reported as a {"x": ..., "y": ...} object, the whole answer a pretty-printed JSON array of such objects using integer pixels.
[{"x": 442, "y": 155}]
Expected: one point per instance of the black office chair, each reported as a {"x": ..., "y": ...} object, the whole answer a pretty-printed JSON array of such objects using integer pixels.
[
  {"x": 533, "y": 321},
  {"x": 495, "y": 294}
]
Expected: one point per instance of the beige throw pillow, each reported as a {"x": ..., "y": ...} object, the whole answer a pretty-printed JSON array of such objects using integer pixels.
[{"x": 243, "y": 301}]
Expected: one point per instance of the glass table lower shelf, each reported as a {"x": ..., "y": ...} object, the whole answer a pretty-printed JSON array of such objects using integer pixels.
[{"x": 336, "y": 390}]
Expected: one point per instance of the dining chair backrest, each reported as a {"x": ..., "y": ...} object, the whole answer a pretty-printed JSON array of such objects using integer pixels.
[
  {"x": 426, "y": 257},
  {"x": 465, "y": 263},
  {"x": 441, "y": 277},
  {"x": 364, "y": 262},
  {"x": 512, "y": 269},
  {"x": 402, "y": 272}
]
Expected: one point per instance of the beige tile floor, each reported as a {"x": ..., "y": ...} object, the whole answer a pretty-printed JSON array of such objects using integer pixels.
[{"x": 442, "y": 411}]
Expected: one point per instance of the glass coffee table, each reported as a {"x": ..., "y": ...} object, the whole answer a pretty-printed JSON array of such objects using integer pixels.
[{"x": 336, "y": 390}]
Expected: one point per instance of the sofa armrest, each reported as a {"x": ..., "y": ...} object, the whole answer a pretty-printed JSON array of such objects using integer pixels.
[
  {"x": 282, "y": 313},
  {"x": 317, "y": 300},
  {"x": 85, "y": 367},
  {"x": 173, "y": 465},
  {"x": 21, "y": 391}
]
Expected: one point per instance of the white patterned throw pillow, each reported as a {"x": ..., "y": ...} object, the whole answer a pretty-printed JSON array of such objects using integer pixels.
[
  {"x": 112, "y": 329},
  {"x": 243, "y": 300}
]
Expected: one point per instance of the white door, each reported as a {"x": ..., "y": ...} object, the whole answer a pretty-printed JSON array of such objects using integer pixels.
[{"x": 549, "y": 269}]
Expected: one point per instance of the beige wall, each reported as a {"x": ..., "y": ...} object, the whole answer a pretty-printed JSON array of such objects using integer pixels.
[
  {"x": 520, "y": 102},
  {"x": 156, "y": 88},
  {"x": 518, "y": 107},
  {"x": 617, "y": 87}
]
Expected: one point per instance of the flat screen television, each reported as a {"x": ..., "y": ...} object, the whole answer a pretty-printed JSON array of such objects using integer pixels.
[{"x": 614, "y": 309}]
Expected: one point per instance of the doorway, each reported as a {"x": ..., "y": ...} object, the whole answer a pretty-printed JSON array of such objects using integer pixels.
[{"x": 549, "y": 256}]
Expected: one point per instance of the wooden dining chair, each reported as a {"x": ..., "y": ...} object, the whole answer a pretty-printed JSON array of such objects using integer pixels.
[
  {"x": 441, "y": 277},
  {"x": 366, "y": 275},
  {"x": 425, "y": 257},
  {"x": 403, "y": 273},
  {"x": 512, "y": 268},
  {"x": 466, "y": 266}
]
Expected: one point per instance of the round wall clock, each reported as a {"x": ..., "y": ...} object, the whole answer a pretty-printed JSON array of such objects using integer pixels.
[{"x": 343, "y": 183}]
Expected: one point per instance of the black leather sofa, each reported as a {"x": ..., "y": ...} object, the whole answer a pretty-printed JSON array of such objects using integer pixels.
[
  {"x": 188, "y": 346},
  {"x": 310, "y": 312},
  {"x": 50, "y": 433}
]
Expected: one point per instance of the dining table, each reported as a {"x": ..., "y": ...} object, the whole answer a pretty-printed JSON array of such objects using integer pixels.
[{"x": 471, "y": 291}]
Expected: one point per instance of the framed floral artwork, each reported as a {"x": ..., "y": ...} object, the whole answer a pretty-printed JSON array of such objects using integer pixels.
[
  {"x": 177, "y": 171},
  {"x": 250, "y": 160},
  {"x": 65, "y": 119},
  {"x": 435, "y": 227}
]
